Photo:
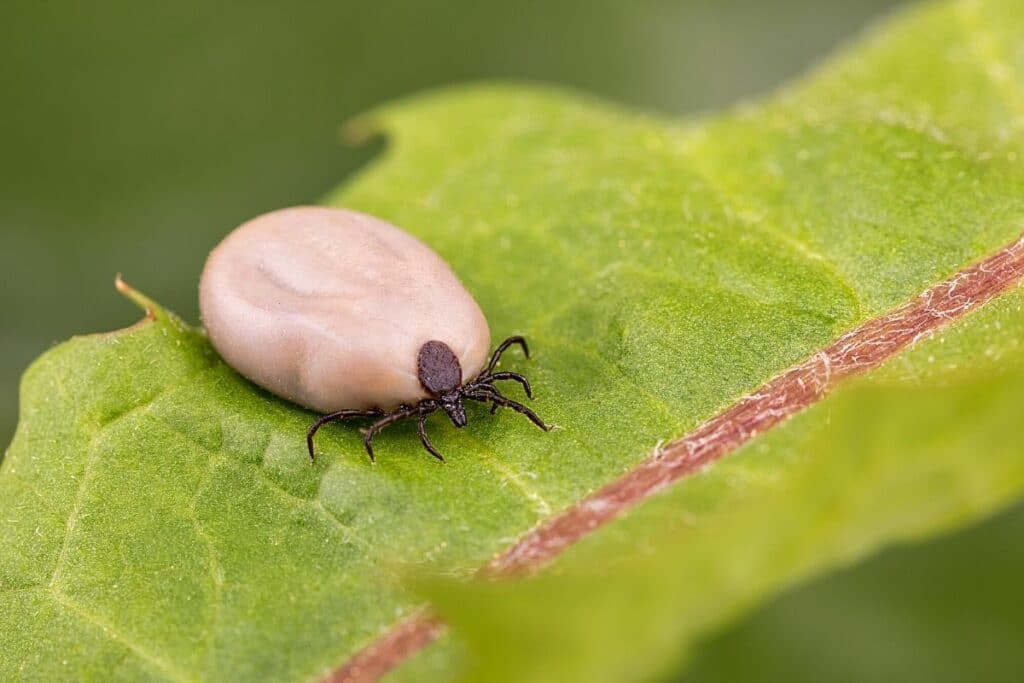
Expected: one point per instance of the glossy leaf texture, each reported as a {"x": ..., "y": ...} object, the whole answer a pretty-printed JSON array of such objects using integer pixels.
[{"x": 161, "y": 520}]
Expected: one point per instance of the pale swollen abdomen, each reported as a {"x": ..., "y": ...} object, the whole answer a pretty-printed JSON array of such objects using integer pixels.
[{"x": 329, "y": 308}]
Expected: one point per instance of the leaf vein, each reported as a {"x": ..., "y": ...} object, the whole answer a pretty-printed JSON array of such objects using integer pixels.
[
  {"x": 92, "y": 457},
  {"x": 741, "y": 210},
  {"x": 215, "y": 569},
  {"x": 165, "y": 667},
  {"x": 261, "y": 474}
]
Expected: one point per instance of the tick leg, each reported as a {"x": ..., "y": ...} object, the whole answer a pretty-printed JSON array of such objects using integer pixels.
[
  {"x": 489, "y": 392},
  {"x": 483, "y": 392},
  {"x": 421, "y": 427},
  {"x": 501, "y": 349},
  {"x": 486, "y": 391},
  {"x": 520, "y": 408},
  {"x": 389, "y": 419},
  {"x": 498, "y": 399},
  {"x": 515, "y": 377},
  {"x": 335, "y": 417}
]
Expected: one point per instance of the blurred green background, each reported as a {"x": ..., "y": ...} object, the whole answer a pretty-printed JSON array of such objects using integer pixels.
[{"x": 134, "y": 135}]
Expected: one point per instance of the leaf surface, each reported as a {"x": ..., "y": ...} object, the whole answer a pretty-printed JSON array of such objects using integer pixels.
[
  {"x": 924, "y": 444},
  {"x": 161, "y": 519}
]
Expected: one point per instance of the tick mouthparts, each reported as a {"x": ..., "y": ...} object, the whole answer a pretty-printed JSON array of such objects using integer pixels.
[{"x": 456, "y": 411}]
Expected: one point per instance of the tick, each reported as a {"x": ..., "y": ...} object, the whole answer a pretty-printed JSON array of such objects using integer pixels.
[{"x": 348, "y": 315}]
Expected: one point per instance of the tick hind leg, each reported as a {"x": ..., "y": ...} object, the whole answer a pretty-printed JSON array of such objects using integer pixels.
[{"x": 335, "y": 417}]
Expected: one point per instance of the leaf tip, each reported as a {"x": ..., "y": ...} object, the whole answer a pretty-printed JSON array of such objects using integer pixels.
[
  {"x": 141, "y": 300},
  {"x": 359, "y": 130}
]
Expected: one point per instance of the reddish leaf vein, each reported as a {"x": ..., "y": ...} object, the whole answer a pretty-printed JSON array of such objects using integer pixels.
[{"x": 857, "y": 351}]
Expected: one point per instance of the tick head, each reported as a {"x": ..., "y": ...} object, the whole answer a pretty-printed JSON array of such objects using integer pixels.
[
  {"x": 438, "y": 369},
  {"x": 452, "y": 405}
]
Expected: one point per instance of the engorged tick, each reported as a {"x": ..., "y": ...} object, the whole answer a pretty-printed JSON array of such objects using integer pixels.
[{"x": 346, "y": 314}]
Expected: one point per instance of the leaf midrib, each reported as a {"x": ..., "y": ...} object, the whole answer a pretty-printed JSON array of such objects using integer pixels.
[{"x": 366, "y": 663}]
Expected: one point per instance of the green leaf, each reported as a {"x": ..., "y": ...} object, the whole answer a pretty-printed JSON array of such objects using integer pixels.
[
  {"x": 926, "y": 443},
  {"x": 160, "y": 517}
]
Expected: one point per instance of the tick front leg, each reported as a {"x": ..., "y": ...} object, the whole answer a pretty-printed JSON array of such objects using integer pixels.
[
  {"x": 421, "y": 427},
  {"x": 520, "y": 408},
  {"x": 335, "y": 417},
  {"x": 499, "y": 400},
  {"x": 483, "y": 392}
]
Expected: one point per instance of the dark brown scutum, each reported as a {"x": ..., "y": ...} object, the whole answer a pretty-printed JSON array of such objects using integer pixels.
[
  {"x": 438, "y": 368},
  {"x": 859, "y": 350}
]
